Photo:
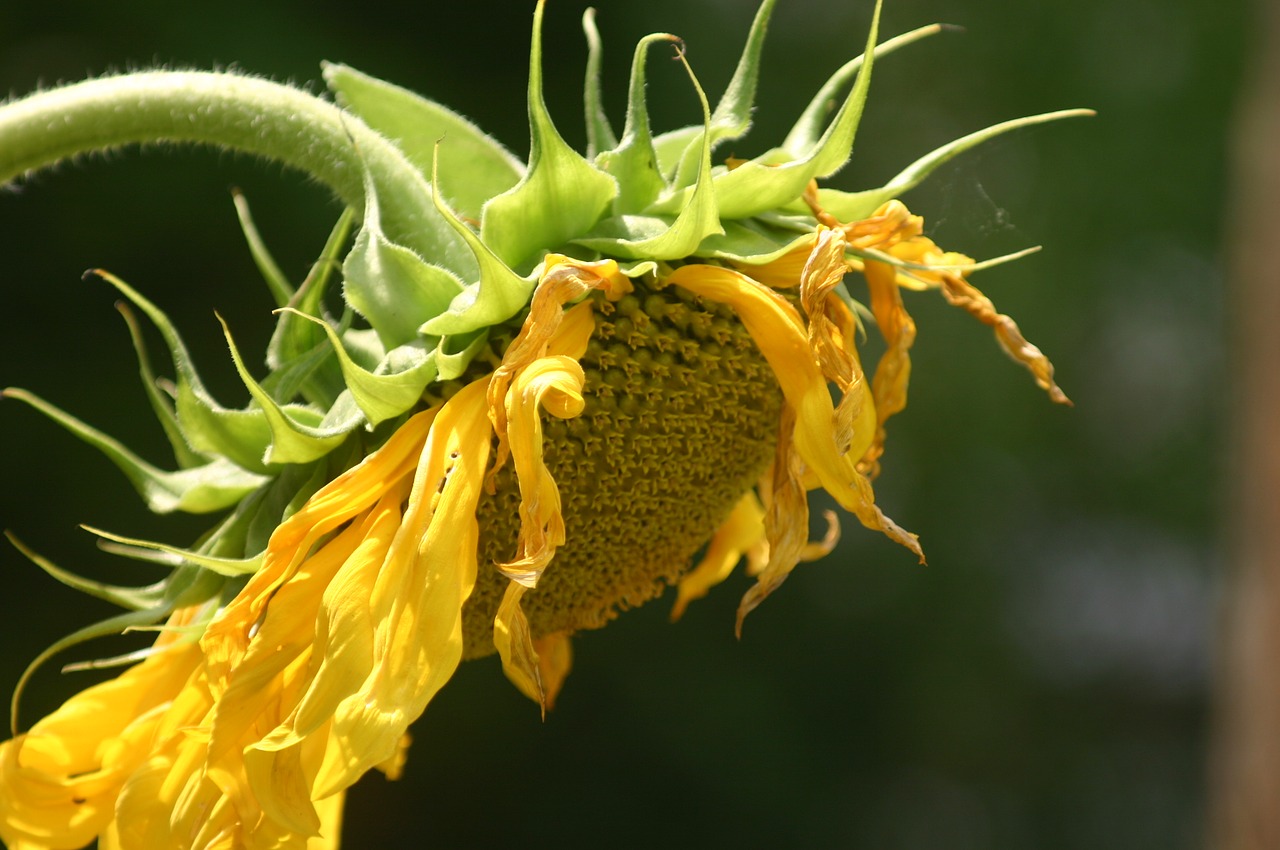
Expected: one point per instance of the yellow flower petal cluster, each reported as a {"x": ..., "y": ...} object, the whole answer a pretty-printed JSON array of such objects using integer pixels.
[{"x": 311, "y": 675}]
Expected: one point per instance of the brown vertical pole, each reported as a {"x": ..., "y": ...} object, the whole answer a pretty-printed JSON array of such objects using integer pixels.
[{"x": 1244, "y": 796}]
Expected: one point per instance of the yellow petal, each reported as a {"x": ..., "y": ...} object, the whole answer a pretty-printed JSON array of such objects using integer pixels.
[
  {"x": 783, "y": 272},
  {"x": 60, "y": 781},
  {"x": 960, "y": 293},
  {"x": 285, "y": 764},
  {"x": 330, "y": 823},
  {"x": 553, "y": 384},
  {"x": 227, "y": 638},
  {"x": 740, "y": 533},
  {"x": 419, "y": 593},
  {"x": 345, "y": 628},
  {"x": 893, "y": 373},
  {"x": 286, "y": 630},
  {"x": 563, "y": 280},
  {"x": 515, "y": 646},
  {"x": 555, "y": 659}
]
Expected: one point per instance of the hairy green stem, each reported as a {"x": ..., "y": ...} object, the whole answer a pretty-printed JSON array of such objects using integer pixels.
[{"x": 236, "y": 112}]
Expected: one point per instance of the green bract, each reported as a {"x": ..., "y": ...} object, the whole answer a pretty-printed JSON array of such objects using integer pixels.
[{"x": 450, "y": 232}]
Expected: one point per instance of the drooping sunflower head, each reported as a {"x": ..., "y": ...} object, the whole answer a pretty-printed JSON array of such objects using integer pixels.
[{"x": 555, "y": 389}]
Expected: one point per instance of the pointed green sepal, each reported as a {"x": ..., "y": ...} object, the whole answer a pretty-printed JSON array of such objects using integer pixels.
[
  {"x": 475, "y": 167},
  {"x": 160, "y": 403},
  {"x": 855, "y": 206},
  {"x": 773, "y": 179},
  {"x": 682, "y": 237},
  {"x": 230, "y": 567},
  {"x": 808, "y": 129},
  {"x": 275, "y": 279},
  {"x": 752, "y": 242},
  {"x": 561, "y": 196},
  {"x": 298, "y": 434},
  {"x": 496, "y": 296},
  {"x": 633, "y": 162},
  {"x": 908, "y": 266},
  {"x": 110, "y": 626},
  {"x": 129, "y": 598},
  {"x": 390, "y": 285},
  {"x": 298, "y": 351},
  {"x": 215, "y": 486},
  {"x": 600, "y": 135},
  {"x": 394, "y": 387},
  {"x": 241, "y": 436},
  {"x": 732, "y": 117},
  {"x": 455, "y": 353}
]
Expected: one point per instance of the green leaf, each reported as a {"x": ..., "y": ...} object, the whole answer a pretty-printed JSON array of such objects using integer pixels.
[
  {"x": 213, "y": 487},
  {"x": 474, "y": 166},
  {"x": 561, "y": 196}
]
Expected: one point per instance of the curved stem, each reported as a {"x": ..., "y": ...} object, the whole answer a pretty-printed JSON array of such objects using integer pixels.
[{"x": 242, "y": 113}]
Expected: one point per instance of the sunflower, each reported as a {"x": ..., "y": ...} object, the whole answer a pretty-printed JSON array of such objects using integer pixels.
[{"x": 549, "y": 387}]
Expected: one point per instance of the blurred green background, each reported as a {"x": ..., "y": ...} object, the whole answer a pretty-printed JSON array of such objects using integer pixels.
[{"x": 1043, "y": 683}]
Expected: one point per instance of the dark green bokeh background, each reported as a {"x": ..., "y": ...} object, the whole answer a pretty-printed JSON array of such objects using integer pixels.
[{"x": 1043, "y": 683}]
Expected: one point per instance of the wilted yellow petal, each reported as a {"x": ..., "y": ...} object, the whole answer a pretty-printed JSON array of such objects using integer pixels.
[
  {"x": 515, "y": 646},
  {"x": 563, "y": 280},
  {"x": 831, "y": 332},
  {"x": 553, "y": 384},
  {"x": 60, "y": 781},
  {"x": 893, "y": 373},
  {"x": 555, "y": 660},
  {"x": 227, "y": 638},
  {"x": 741, "y": 533},
  {"x": 960, "y": 293},
  {"x": 419, "y": 593},
  {"x": 786, "y": 520}
]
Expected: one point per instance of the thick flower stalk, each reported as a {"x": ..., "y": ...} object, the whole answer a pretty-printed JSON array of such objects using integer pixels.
[{"x": 551, "y": 385}]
